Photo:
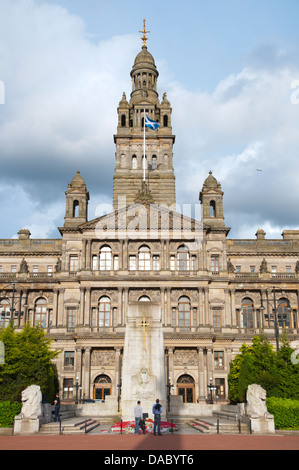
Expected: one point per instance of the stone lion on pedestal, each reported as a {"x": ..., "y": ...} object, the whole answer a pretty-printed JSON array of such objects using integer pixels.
[
  {"x": 256, "y": 402},
  {"x": 31, "y": 402}
]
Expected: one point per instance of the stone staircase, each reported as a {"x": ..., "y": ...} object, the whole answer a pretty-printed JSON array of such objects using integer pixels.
[
  {"x": 223, "y": 421},
  {"x": 70, "y": 426}
]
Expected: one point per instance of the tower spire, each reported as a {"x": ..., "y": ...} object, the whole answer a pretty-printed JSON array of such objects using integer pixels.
[{"x": 144, "y": 38}]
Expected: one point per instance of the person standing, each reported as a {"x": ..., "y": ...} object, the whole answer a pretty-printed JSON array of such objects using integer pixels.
[
  {"x": 157, "y": 411},
  {"x": 138, "y": 415},
  {"x": 57, "y": 408}
]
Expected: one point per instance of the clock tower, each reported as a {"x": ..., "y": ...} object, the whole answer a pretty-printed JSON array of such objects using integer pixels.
[{"x": 130, "y": 179}]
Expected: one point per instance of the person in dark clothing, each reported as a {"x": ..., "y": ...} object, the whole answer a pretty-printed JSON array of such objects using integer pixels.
[
  {"x": 157, "y": 411},
  {"x": 57, "y": 408}
]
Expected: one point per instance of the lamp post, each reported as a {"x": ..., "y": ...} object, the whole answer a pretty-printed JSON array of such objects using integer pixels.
[
  {"x": 118, "y": 386},
  {"x": 211, "y": 389},
  {"x": 77, "y": 386},
  {"x": 276, "y": 326},
  {"x": 169, "y": 386}
]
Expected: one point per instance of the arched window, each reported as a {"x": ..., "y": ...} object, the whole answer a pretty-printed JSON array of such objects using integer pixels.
[
  {"x": 144, "y": 298},
  {"x": 76, "y": 209},
  {"x": 4, "y": 313},
  {"x": 134, "y": 162},
  {"x": 123, "y": 120},
  {"x": 41, "y": 313},
  {"x": 105, "y": 258},
  {"x": 184, "y": 312},
  {"x": 102, "y": 387},
  {"x": 185, "y": 387},
  {"x": 284, "y": 313},
  {"x": 144, "y": 258},
  {"x": 183, "y": 258},
  {"x": 104, "y": 312},
  {"x": 212, "y": 209},
  {"x": 247, "y": 313},
  {"x": 154, "y": 162}
]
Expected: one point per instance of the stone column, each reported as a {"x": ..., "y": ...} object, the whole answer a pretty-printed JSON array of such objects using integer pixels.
[
  {"x": 87, "y": 307},
  {"x": 55, "y": 307},
  {"x": 86, "y": 378},
  {"x": 201, "y": 374},
  {"x": 78, "y": 366},
  {"x": 88, "y": 255},
  {"x": 233, "y": 308},
  {"x": 61, "y": 321},
  {"x": 201, "y": 307},
  {"x": 82, "y": 305},
  {"x": 170, "y": 365}
]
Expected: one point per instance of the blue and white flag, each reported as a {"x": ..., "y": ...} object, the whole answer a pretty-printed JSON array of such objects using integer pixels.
[{"x": 150, "y": 123}]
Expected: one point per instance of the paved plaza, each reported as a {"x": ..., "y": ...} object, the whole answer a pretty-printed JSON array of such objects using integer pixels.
[{"x": 184, "y": 440}]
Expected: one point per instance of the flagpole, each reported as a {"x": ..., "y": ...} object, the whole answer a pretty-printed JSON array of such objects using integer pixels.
[{"x": 144, "y": 145}]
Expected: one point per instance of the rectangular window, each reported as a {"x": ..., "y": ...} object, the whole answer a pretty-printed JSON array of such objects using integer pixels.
[
  {"x": 35, "y": 270},
  {"x": 288, "y": 269},
  {"x": 238, "y": 269},
  {"x": 50, "y": 271},
  {"x": 193, "y": 259},
  {"x": 73, "y": 263},
  {"x": 218, "y": 358},
  {"x": 216, "y": 317},
  {"x": 215, "y": 264},
  {"x": 13, "y": 268},
  {"x": 71, "y": 317},
  {"x": 220, "y": 388},
  {"x": 69, "y": 359},
  {"x": 274, "y": 269},
  {"x": 252, "y": 269},
  {"x": 68, "y": 389}
]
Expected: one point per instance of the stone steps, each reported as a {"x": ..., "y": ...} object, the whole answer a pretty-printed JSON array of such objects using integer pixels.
[
  {"x": 70, "y": 426},
  {"x": 225, "y": 426}
]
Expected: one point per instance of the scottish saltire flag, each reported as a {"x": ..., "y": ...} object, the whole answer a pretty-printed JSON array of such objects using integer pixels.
[{"x": 150, "y": 123}]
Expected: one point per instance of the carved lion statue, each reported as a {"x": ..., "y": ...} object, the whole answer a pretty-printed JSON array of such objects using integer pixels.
[
  {"x": 31, "y": 402},
  {"x": 256, "y": 402}
]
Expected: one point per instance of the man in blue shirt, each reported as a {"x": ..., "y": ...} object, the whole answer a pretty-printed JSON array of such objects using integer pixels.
[{"x": 157, "y": 411}]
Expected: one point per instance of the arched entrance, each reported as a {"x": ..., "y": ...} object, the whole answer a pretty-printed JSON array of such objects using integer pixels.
[
  {"x": 102, "y": 387},
  {"x": 185, "y": 388}
]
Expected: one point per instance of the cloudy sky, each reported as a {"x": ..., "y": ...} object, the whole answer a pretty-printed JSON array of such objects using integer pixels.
[{"x": 231, "y": 72}]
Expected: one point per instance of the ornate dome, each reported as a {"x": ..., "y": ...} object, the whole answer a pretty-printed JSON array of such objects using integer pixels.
[
  {"x": 78, "y": 181},
  {"x": 144, "y": 60},
  {"x": 144, "y": 57},
  {"x": 211, "y": 182}
]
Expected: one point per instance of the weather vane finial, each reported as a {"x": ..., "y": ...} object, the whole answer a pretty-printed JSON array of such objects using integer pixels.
[{"x": 144, "y": 38}]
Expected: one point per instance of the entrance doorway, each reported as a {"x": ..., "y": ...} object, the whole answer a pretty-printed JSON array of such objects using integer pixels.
[
  {"x": 102, "y": 387},
  {"x": 185, "y": 388}
]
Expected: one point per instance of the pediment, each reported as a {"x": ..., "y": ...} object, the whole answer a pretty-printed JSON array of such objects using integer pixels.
[{"x": 144, "y": 221}]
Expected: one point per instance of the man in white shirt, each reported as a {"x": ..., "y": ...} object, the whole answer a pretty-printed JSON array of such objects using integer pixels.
[{"x": 138, "y": 415}]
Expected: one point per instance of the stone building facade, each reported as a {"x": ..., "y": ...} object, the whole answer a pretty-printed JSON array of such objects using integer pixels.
[{"x": 214, "y": 293}]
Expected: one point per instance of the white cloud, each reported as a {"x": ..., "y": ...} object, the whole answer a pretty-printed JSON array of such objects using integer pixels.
[
  {"x": 248, "y": 123},
  {"x": 60, "y": 113}
]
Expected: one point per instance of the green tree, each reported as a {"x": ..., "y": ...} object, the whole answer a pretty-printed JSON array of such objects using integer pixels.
[
  {"x": 28, "y": 361},
  {"x": 260, "y": 364}
]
